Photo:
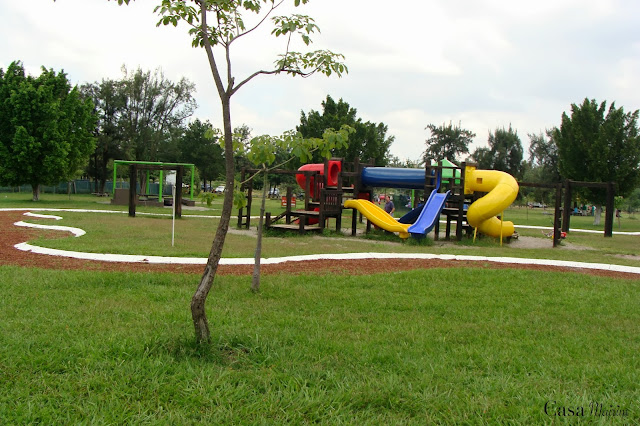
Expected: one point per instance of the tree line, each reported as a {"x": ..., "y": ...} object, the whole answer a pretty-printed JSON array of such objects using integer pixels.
[
  {"x": 142, "y": 116},
  {"x": 594, "y": 143},
  {"x": 51, "y": 132}
]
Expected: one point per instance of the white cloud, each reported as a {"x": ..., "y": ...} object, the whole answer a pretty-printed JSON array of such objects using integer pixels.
[{"x": 486, "y": 63}]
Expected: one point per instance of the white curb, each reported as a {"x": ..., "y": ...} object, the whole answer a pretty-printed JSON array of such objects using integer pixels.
[{"x": 127, "y": 258}]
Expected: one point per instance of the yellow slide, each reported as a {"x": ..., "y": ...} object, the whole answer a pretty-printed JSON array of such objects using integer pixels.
[
  {"x": 502, "y": 189},
  {"x": 378, "y": 217}
]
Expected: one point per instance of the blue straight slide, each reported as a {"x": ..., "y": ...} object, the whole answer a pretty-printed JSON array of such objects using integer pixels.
[
  {"x": 412, "y": 216},
  {"x": 430, "y": 213}
]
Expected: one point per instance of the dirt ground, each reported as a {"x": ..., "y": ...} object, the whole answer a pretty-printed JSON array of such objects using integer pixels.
[{"x": 11, "y": 235}]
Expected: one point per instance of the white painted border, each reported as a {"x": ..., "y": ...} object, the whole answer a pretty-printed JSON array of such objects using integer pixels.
[
  {"x": 42, "y": 216},
  {"x": 77, "y": 232},
  {"x": 127, "y": 258}
]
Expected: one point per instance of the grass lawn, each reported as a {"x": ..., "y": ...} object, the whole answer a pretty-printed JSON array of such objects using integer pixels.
[
  {"x": 443, "y": 346},
  {"x": 452, "y": 346}
]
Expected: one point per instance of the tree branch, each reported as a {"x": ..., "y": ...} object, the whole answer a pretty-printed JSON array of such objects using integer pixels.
[
  {"x": 246, "y": 80},
  {"x": 229, "y": 76},
  {"x": 209, "y": 49},
  {"x": 268, "y": 169},
  {"x": 297, "y": 72},
  {"x": 274, "y": 7}
]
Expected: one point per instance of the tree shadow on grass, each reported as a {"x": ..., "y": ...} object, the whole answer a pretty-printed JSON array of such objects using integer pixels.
[{"x": 228, "y": 351}]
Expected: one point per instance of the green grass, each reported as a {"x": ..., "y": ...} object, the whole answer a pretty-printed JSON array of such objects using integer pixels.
[
  {"x": 441, "y": 346},
  {"x": 454, "y": 346}
]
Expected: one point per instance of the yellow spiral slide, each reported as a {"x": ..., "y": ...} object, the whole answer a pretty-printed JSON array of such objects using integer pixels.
[{"x": 502, "y": 189}]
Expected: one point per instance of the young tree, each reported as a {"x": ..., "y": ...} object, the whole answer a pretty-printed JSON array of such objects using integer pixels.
[
  {"x": 216, "y": 25},
  {"x": 447, "y": 141},
  {"x": 632, "y": 202},
  {"x": 261, "y": 152},
  {"x": 597, "y": 144},
  {"x": 45, "y": 128},
  {"x": 369, "y": 141}
]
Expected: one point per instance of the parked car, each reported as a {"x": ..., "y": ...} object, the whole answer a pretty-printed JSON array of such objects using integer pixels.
[
  {"x": 219, "y": 189},
  {"x": 537, "y": 205}
]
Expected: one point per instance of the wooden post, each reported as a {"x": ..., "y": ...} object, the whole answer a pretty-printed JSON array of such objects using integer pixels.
[
  {"x": 566, "y": 211},
  {"x": 460, "y": 217},
  {"x": 241, "y": 210},
  {"x": 337, "y": 210},
  {"x": 323, "y": 200},
  {"x": 302, "y": 223},
  {"x": 133, "y": 193},
  {"x": 354, "y": 223},
  {"x": 447, "y": 230},
  {"x": 307, "y": 189},
  {"x": 178, "y": 198},
  {"x": 325, "y": 176},
  {"x": 608, "y": 219},
  {"x": 288, "y": 211},
  {"x": 556, "y": 215},
  {"x": 249, "y": 199},
  {"x": 357, "y": 184}
]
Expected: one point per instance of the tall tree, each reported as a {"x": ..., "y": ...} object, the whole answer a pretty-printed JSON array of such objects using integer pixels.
[
  {"x": 204, "y": 152},
  {"x": 261, "y": 151},
  {"x": 45, "y": 128},
  {"x": 216, "y": 25},
  {"x": 504, "y": 153},
  {"x": 155, "y": 108},
  {"x": 447, "y": 141},
  {"x": 597, "y": 144},
  {"x": 542, "y": 166},
  {"x": 140, "y": 117},
  {"x": 543, "y": 154},
  {"x": 370, "y": 140},
  {"x": 109, "y": 101}
]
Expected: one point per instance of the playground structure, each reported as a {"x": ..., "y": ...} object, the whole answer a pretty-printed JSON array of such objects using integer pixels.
[
  {"x": 472, "y": 200},
  {"x": 446, "y": 188},
  {"x": 131, "y": 197}
]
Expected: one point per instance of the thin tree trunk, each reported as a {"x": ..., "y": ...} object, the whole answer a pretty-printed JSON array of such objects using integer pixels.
[
  {"x": 597, "y": 215},
  {"x": 36, "y": 192},
  {"x": 198, "y": 313},
  {"x": 255, "y": 282}
]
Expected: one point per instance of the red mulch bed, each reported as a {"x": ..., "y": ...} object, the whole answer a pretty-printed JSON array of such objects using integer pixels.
[{"x": 11, "y": 235}]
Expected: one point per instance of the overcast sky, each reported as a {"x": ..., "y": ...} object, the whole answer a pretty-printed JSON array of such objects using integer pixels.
[{"x": 484, "y": 63}]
